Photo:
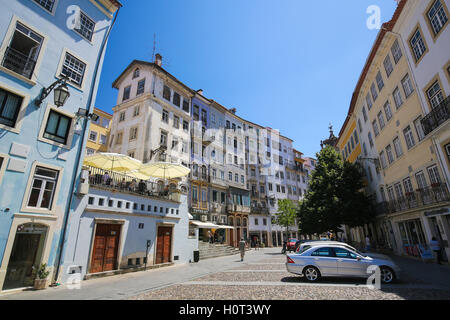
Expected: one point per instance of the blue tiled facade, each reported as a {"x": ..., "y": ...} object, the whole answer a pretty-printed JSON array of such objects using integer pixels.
[{"x": 41, "y": 147}]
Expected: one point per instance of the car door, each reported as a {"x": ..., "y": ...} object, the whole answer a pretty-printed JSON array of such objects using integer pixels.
[
  {"x": 325, "y": 260},
  {"x": 348, "y": 263}
]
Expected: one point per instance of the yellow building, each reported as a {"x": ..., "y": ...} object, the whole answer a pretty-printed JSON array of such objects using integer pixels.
[
  {"x": 410, "y": 178},
  {"x": 98, "y": 133},
  {"x": 348, "y": 142}
]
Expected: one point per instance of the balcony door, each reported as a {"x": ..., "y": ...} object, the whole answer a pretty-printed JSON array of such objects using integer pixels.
[{"x": 23, "y": 51}]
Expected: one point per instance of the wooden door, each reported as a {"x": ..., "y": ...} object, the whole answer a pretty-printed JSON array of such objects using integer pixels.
[
  {"x": 163, "y": 245},
  {"x": 106, "y": 245},
  {"x": 231, "y": 240}
]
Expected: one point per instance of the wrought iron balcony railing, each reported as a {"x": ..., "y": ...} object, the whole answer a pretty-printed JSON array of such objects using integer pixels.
[
  {"x": 118, "y": 182},
  {"x": 422, "y": 197},
  {"x": 18, "y": 62},
  {"x": 436, "y": 117}
]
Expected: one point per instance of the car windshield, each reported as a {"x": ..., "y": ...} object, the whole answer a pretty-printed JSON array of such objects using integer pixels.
[{"x": 356, "y": 251}]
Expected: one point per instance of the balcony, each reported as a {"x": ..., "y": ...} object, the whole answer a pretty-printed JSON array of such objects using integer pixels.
[
  {"x": 259, "y": 210},
  {"x": 435, "y": 194},
  {"x": 436, "y": 117},
  {"x": 231, "y": 208},
  {"x": 122, "y": 183},
  {"x": 18, "y": 62}
]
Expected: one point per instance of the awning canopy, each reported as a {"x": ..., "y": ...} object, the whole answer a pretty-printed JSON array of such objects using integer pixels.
[{"x": 209, "y": 225}]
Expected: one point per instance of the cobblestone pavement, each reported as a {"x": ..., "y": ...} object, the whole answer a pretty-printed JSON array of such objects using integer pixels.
[{"x": 267, "y": 279}]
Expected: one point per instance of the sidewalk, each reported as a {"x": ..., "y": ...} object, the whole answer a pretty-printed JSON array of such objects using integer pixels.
[
  {"x": 421, "y": 272},
  {"x": 131, "y": 284}
]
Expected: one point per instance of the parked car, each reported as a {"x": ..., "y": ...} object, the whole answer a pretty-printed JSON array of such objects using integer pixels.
[
  {"x": 290, "y": 246},
  {"x": 333, "y": 260},
  {"x": 299, "y": 242},
  {"x": 308, "y": 244}
]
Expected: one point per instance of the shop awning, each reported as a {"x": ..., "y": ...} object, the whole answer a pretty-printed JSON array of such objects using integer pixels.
[{"x": 208, "y": 225}]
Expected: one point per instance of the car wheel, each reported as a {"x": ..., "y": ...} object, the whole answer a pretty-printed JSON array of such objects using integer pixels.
[
  {"x": 387, "y": 275},
  {"x": 311, "y": 274}
]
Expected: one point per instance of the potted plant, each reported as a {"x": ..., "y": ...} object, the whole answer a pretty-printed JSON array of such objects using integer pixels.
[{"x": 41, "y": 281}]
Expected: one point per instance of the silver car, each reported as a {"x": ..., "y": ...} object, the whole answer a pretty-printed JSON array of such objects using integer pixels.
[{"x": 332, "y": 260}]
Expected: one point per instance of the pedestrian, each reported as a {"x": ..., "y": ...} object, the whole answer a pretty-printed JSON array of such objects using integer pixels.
[
  {"x": 242, "y": 245},
  {"x": 257, "y": 244},
  {"x": 435, "y": 246},
  {"x": 209, "y": 237},
  {"x": 367, "y": 243},
  {"x": 283, "y": 251}
]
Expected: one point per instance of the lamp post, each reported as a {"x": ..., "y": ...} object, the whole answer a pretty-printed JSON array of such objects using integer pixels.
[{"x": 61, "y": 92}]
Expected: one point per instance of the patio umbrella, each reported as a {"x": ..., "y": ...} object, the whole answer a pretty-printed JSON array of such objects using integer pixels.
[
  {"x": 138, "y": 175},
  {"x": 113, "y": 162},
  {"x": 164, "y": 170}
]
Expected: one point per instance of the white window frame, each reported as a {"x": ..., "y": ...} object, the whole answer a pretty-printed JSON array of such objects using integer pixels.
[
  {"x": 22, "y": 109},
  {"x": 27, "y": 193},
  {"x": 52, "y": 12},
  {"x": 96, "y": 136},
  {"x": 65, "y": 52},
  {"x": 5, "y": 158},
  {"x": 93, "y": 31},
  {"x": 70, "y": 134}
]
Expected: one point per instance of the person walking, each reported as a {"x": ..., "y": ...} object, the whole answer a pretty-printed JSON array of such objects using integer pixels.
[
  {"x": 283, "y": 251},
  {"x": 242, "y": 245},
  {"x": 367, "y": 244},
  {"x": 435, "y": 246}
]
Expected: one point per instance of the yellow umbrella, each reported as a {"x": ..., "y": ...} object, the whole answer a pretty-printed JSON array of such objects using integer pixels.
[
  {"x": 113, "y": 162},
  {"x": 164, "y": 170},
  {"x": 138, "y": 175}
]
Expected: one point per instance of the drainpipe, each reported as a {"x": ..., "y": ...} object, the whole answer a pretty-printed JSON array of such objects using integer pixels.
[{"x": 80, "y": 151}]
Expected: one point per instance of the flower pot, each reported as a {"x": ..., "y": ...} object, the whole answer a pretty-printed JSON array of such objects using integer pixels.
[{"x": 40, "y": 284}]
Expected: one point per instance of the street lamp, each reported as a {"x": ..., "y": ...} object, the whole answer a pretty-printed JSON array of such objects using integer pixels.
[{"x": 61, "y": 93}]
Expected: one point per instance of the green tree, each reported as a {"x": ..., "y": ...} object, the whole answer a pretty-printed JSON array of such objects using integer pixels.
[
  {"x": 287, "y": 213},
  {"x": 335, "y": 196}
]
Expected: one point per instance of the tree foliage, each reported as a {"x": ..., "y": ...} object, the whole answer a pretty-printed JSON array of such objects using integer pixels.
[
  {"x": 287, "y": 213},
  {"x": 335, "y": 196}
]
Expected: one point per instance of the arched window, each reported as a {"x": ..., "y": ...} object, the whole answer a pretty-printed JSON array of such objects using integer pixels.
[{"x": 230, "y": 221}]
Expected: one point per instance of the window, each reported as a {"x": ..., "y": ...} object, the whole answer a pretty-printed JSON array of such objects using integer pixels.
[
  {"x": 388, "y": 65},
  {"x": 23, "y": 51},
  {"x": 136, "y": 111},
  {"x": 369, "y": 102},
  {"x": 408, "y": 186},
  {"x": 323, "y": 252},
  {"x": 396, "y": 51},
  {"x": 380, "y": 82},
  {"x": 359, "y": 125},
  {"x": 343, "y": 253},
  {"x": 90, "y": 151},
  {"x": 176, "y": 99},
  {"x": 270, "y": 187},
  {"x": 185, "y": 105},
  {"x": 163, "y": 138},
  {"x": 133, "y": 134},
  {"x": 398, "y": 190},
  {"x": 93, "y": 136},
  {"x": 74, "y": 69},
  {"x": 437, "y": 17},
  {"x": 390, "y": 155},
  {"x": 364, "y": 149},
  {"x": 103, "y": 139},
  {"x": 131, "y": 154},
  {"x": 126, "y": 93},
  {"x": 122, "y": 116},
  {"x": 165, "y": 116},
  {"x": 140, "y": 87},
  {"x": 381, "y": 120},
  {"x": 9, "y": 108},
  {"x": 387, "y": 110},
  {"x": 364, "y": 114},
  {"x": 57, "y": 128},
  {"x": 420, "y": 179},
  {"x": 230, "y": 176},
  {"x": 119, "y": 138},
  {"x": 236, "y": 177},
  {"x": 375, "y": 128},
  {"x": 383, "y": 160},
  {"x": 374, "y": 92},
  {"x": 136, "y": 73},
  {"x": 398, "y": 147},
  {"x": 409, "y": 138},
  {"x": 43, "y": 188},
  {"x": 166, "y": 93},
  {"x": 176, "y": 122},
  {"x": 407, "y": 86},
  {"x": 417, "y": 45},
  {"x": 419, "y": 128},
  {"x": 46, "y": 4},
  {"x": 185, "y": 125},
  {"x": 87, "y": 26},
  {"x": 434, "y": 94},
  {"x": 433, "y": 173},
  {"x": 397, "y": 98}
]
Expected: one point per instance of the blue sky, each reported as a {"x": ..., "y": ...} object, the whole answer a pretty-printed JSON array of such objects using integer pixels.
[{"x": 290, "y": 65}]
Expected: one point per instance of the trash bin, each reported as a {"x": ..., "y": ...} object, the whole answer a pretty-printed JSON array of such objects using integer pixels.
[{"x": 196, "y": 255}]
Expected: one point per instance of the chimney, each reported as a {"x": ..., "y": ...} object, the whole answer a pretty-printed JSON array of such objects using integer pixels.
[
  {"x": 233, "y": 110},
  {"x": 158, "y": 59},
  {"x": 200, "y": 91}
]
